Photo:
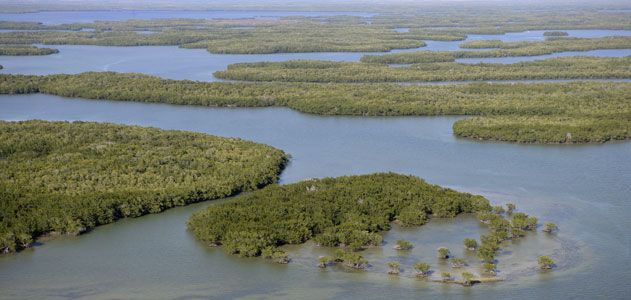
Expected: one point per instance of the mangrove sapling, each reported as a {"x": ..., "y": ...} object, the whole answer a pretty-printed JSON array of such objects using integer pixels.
[
  {"x": 545, "y": 262},
  {"x": 510, "y": 208},
  {"x": 470, "y": 244},
  {"x": 280, "y": 257},
  {"x": 488, "y": 248},
  {"x": 403, "y": 245},
  {"x": 486, "y": 217},
  {"x": 443, "y": 253},
  {"x": 394, "y": 268},
  {"x": 446, "y": 277},
  {"x": 489, "y": 269},
  {"x": 467, "y": 279},
  {"x": 422, "y": 269},
  {"x": 458, "y": 262},
  {"x": 354, "y": 260},
  {"x": 523, "y": 221},
  {"x": 550, "y": 227},
  {"x": 486, "y": 253},
  {"x": 500, "y": 228},
  {"x": 324, "y": 261},
  {"x": 498, "y": 209}
]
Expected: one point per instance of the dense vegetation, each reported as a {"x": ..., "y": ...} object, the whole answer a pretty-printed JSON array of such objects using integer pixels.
[
  {"x": 549, "y": 129},
  {"x": 327, "y": 71},
  {"x": 555, "y": 33},
  {"x": 590, "y": 111},
  {"x": 224, "y": 36},
  {"x": 344, "y": 211},
  {"x": 310, "y": 34},
  {"x": 60, "y": 177},
  {"x": 25, "y": 50},
  {"x": 502, "y": 49}
]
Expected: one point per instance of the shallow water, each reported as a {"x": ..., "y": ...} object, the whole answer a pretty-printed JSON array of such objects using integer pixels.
[{"x": 585, "y": 189}]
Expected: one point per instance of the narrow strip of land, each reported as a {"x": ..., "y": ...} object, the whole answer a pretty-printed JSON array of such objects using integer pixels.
[{"x": 588, "y": 111}]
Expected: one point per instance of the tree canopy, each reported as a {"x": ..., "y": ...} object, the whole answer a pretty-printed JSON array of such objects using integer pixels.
[
  {"x": 66, "y": 177},
  {"x": 344, "y": 211}
]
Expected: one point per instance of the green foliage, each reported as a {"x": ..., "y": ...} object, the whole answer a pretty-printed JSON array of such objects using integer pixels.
[
  {"x": 523, "y": 221},
  {"x": 422, "y": 269},
  {"x": 413, "y": 215},
  {"x": 403, "y": 245},
  {"x": 488, "y": 248},
  {"x": 348, "y": 210},
  {"x": 19, "y": 50},
  {"x": 470, "y": 244},
  {"x": 443, "y": 253},
  {"x": 498, "y": 209},
  {"x": 545, "y": 262},
  {"x": 502, "y": 49},
  {"x": 467, "y": 278},
  {"x": 555, "y": 33},
  {"x": 446, "y": 276},
  {"x": 395, "y": 267},
  {"x": 458, "y": 262},
  {"x": 527, "y": 113},
  {"x": 351, "y": 259},
  {"x": 548, "y": 129},
  {"x": 500, "y": 228},
  {"x": 324, "y": 261},
  {"x": 550, "y": 227},
  {"x": 286, "y": 35},
  {"x": 489, "y": 268},
  {"x": 510, "y": 208},
  {"x": 69, "y": 177},
  {"x": 328, "y": 71},
  {"x": 309, "y": 34}
]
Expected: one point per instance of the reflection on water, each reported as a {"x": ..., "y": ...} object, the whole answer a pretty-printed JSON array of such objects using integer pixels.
[{"x": 585, "y": 189}]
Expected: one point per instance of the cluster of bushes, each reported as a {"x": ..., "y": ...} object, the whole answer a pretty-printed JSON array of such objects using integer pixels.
[
  {"x": 541, "y": 112},
  {"x": 502, "y": 49},
  {"x": 65, "y": 178},
  {"x": 546, "y": 129},
  {"x": 555, "y": 33},
  {"x": 345, "y": 211},
  {"x": 504, "y": 225},
  {"x": 328, "y": 71},
  {"x": 25, "y": 50}
]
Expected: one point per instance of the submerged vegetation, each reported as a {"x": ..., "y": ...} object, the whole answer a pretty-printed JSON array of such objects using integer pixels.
[
  {"x": 327, "y": 71},
  {"x": 65, "y": 178},
  {"x": 503, "y": 49},
  {"x": 537, "y": 112},
  {"x": 344, "y": 211}
]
